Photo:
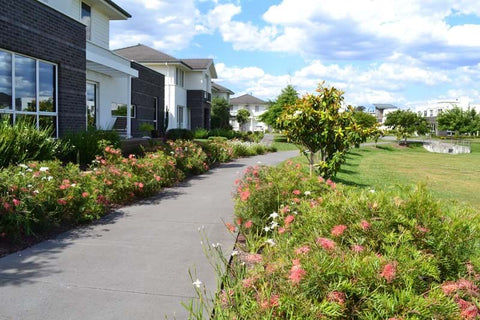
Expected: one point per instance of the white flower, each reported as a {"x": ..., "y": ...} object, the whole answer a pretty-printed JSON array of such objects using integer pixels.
[
  {"x": 266, "y": 229},
  {"x": 197, "y": 283},
  {"x": 259, "y": 162},
  {"x": 49, "y": 178},
  {"x": 372, "y": 191},
  {"x": 297, "y": 113},
  {"x": 43, "y": 169},
  {"x": 21, "y": 173},
  {"x": 216, "y": 245},
  {"x": 36, "y": 191},
  {"x": 234, "y": 253},
  {"x": 29, "y": 170},
  {"x": 273, "y": 225},
  {"x": 29, "y": 186},
  {"x": 273, "y": 215},
  {"x": 73, "y": 184},
  {"x": 24, "y": 166},
  {"x": 307, "y": 193},
  {"x": 270, "y": 242}
]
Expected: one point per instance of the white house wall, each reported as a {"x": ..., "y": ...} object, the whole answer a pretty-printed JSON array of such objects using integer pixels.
[
  {"x": 109, "y": 90},
  {"x": 100, "y": 28},
  {"x": 196, "y": 80}
]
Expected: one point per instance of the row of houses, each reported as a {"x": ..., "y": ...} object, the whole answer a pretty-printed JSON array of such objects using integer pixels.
[{"x": 56, "y": 69}]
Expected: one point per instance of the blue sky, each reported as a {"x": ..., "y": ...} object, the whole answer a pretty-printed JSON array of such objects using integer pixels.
[{"x": 377, "y": 51}]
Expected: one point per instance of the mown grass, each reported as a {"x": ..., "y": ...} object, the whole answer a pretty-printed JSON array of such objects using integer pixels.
[
  {"x": 281, "y": 144},
  {"x": 449, "y": 177}
]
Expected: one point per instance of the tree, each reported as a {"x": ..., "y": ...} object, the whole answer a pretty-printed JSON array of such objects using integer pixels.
[
  {"x": 405, "y": 123},
  {"x": 366, "y": 120},
  {"x": 242, "y": 117},
  {"x": 459, "y": 121},
  {"x": 220, "y": 114},
  {"x": 288, "y": 96},
  {"x": 317, "y": 125}
]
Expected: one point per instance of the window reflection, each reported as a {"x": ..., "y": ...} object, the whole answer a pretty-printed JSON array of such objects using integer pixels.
[
  {"x": 46, "y": 122},
  {"x": 25, "y": 80},
  {"x": 5, "y": 80},
  {"x": 46, "y": 83},
  {"x": 91, "y": 105}
]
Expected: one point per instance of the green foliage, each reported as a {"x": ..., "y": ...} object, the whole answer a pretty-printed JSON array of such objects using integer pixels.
[
  {"x": 86, "y": 145},
  {"x": 189, "y": 156},
  {"x": 459, "y": 121},
  {"x": 405, "y": 123},
  {"x": 317, "y": 124},
  {"x": 220, "y": 114},
  {"x": 23, "y": 142},
  {"x": 287, "y": 97},
  {"x": 146, "y": 128},
  {"x": 322, "y": 251},
  {"x": 183, "y": 134},
  {"x": 366, "y": 120},
  {"x": 200, "y": 133},
  {"x": 242, "y": 117},
  {"x": 218, "y": 149}
]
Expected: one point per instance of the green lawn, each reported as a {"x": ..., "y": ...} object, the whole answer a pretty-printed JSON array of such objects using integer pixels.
[
  {"x": 281, "y": 144},
  {"x": 450, "y": 177}
]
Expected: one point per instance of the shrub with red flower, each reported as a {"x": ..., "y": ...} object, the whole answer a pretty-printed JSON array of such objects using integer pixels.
[{"x": 338, "y": 230}]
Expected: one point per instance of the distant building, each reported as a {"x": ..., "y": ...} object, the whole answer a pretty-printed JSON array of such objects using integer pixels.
[
  {"x": 255, "y": 106},
  {"x": 381, "y": 110},
  {"x": 219, "y": 91}
]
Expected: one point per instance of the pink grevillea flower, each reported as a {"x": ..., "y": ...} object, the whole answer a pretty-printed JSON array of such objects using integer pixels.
[
  {"x": 281, "y": 230},
  {"x": 248, "y": 224},
  {"x": 6, "y": 205},
  {"x": 332, "y": 184},
  {"x": 244, "y": 195},
  {"x": 337, "y": 297},
  {"x": 326, "y": 244},
  {"x": 239, "y": 221},
  {"x": 302, "y": 250},
  {"x": 451, "y": 287},
  {"x": 85, "y": 194},
  {"x": 289, "y": 219},
  {"x": 230, "y": 227},
  {"x": 296, "y": 272},
  {"x": 16, "y": 202},
  {"x": 389, "y": 271},
  {"x": 338, "y": 230},
  {"x": 62, "y": 202},
  {"x": 357, "y": 248},
  {"x": 422, "y": 229},
  {"x": 468, "y": 310},
  {"x": 296, "y": 192},
  {"x": 320, "y": 179},
  {"x": 253, "y": 258},
  {"x": 269, "y": 302},
  {"x": 248, "y": 282},
  {"x": 158, "y": 178},
  {"x": 365, "y": 225}
]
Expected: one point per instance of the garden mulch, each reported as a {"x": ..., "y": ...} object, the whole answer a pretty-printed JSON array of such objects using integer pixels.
[{"x": 132, "y": 264}]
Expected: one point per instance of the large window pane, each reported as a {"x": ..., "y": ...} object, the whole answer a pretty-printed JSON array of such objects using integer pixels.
[
  {"x": 26, "y": 118},
  {"x": 47, "y": 87},
  {"x": 91, "y": 105},
  {"x": 5, "y": 80},
  {"x": 87, "y": 19},
  {"x": 25, "y": 88}
]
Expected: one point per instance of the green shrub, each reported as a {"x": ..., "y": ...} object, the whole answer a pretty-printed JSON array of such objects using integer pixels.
[
  {"x": 200, "y": 133},
  {"x": 217, "y": 150},
  {"x": 86, "y": 145},
  {"x": 188, "y": 155},
  {"x": 316, "y": 250},
  {"x": 24, "y": 142},
  {"x": 229, "y": 134},
  {"x": 179, "y": 134}
]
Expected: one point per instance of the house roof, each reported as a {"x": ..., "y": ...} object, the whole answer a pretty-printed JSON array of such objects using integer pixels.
[
  {"x": 144, "y": 54},
  {"x": 220, "y": 88},
  {"x": 246, "y": 99},
  {"x": 118, "y": 8},
  {"x": 383, "y": 106}
]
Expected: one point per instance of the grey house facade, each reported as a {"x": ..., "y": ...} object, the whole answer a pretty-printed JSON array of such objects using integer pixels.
[{"x": 42, "y": 66}]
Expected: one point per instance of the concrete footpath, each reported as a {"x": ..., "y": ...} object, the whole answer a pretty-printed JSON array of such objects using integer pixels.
[{"x": 134, "y": 263}]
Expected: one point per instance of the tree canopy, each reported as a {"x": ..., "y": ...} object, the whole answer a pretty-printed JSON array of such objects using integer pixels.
[
  {"x": 460, "y": 121},
  {"x": 242, "y": 117},
  {"x": 288, "y": 96},
  {"x": 405, "y": 123},
  {"x": 220, "y": 114},
  {"x": 317, "y": 124}
]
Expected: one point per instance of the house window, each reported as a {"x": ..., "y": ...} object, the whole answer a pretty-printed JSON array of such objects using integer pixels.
[
  {"x": 179, "y": 117},
  {"x": 87, "y": 19},
  {"x": 28, "y": 90},
  {"x": 179, "y": 77},
  {"x": 91, "y": 105},
  {"x": 440, "y": 111},
  {"x": 425, "y": 113},
  {"x": 257, "y": 108},
  {"x": 431, "y": 113},
  {"x": 119, "y": 110}
]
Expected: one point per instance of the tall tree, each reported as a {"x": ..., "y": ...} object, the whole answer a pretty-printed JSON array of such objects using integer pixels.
[
  {"x": 220, "y": 114},
  {"x": 317, "y": 125},
  {"x": 405, "y": 123},
  {"x": 460, "y": 121},
  {"x": 242, "y": 117},
  {"x": 287, "y": 97}
]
